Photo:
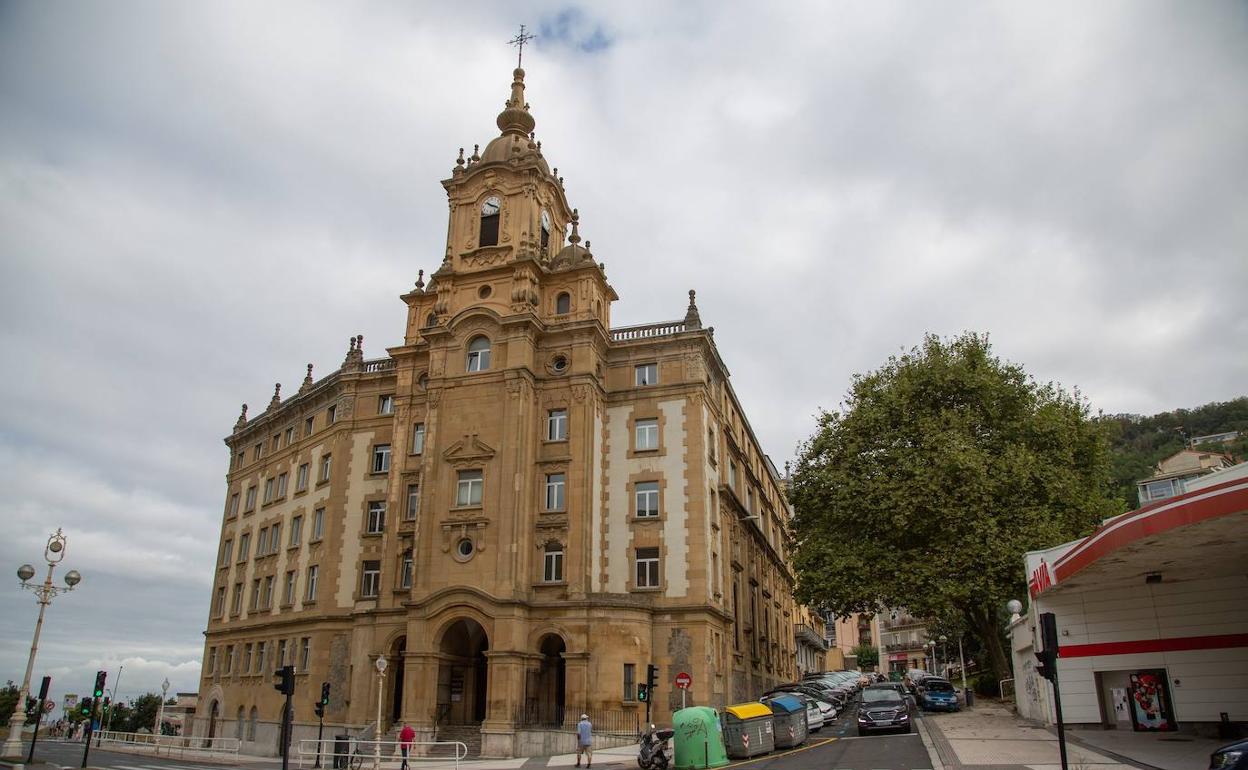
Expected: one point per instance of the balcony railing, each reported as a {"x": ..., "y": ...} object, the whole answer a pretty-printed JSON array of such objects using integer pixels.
[
  {"x": 643, "y": 331},
  {"x": 379, "y": 365},
  {"x": 804, "y": 633}
]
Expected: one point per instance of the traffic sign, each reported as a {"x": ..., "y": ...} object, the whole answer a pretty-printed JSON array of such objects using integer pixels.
[
  {"x": 683, "y": 680},
  {"x": 48, "y": 705}
]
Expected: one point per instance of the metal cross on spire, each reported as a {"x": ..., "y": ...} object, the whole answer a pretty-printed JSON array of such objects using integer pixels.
[{"x": 519, "y": 41}]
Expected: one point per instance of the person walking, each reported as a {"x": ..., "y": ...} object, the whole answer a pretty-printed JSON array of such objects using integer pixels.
[
  {"x": 584, "y": 741},
  {"x": 406, "y": 736}
]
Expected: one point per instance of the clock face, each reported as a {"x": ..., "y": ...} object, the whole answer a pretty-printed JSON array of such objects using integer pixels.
[
  {"x": 490, "y": 207},
  {"x": 545, "y": 221}
]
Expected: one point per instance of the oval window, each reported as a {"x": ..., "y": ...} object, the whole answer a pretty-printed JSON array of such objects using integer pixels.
[{"x": 465, "y": 548}]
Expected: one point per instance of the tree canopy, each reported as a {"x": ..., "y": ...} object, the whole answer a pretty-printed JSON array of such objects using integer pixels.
[{"x": 941, "y": 470}]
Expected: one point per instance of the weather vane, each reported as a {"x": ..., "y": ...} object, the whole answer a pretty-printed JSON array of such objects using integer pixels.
[{"x": 519, "y": 41}]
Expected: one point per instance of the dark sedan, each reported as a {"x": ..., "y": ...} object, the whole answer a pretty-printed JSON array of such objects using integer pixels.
[
  {"x": 883, "y": 708},
  {"x": 1233, "y": 756}
]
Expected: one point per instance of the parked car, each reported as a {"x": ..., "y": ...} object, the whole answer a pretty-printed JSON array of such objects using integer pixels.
[
  {"x": 883, "y": 708},
  {"x": 814, "y": 715},
  {"x": 938, "y": 695},
  {"x": 1232, "y": 756}
]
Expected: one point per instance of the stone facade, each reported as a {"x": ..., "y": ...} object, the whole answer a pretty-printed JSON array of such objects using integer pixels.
[{"x": 519, "y": 506}]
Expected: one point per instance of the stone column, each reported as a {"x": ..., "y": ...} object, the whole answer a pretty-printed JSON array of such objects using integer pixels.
[
  {"x": 420, "y": 691},
  {"x": 504, "y": 693},
  {"x": 576, "y": 681}
]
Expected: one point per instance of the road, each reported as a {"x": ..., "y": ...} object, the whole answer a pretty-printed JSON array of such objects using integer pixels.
[{"x": 835, "y": 747}]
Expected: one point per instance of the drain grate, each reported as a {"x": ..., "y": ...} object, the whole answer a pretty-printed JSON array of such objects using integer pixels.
[{"x": 1176, "y": 740}]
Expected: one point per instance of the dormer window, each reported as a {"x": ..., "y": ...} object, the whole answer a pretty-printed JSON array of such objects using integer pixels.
[
  {"x": 479, "y": 354},
  {"x": 489, "y": 221},
  {"x": 563, "y": 304}
]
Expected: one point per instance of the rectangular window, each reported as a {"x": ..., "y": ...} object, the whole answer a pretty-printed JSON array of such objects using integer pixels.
[
  {"x": 212, "y": 660},
  {"x": 468, "y": 488},
  {"x": 268, "y": 592},
  {"x": 268, "y": 490},
  {"x": 554, "y": 491},
  {"x": 732, "y": 474},
  {"x": 247, "y": 660},
  {"x": 277, "y": 441},
  {"x": 236, "y": 601},
  {"x": 244, "y": 547},
  {"x": 301, "y": 478},
  {"x": 313, "y": 574},
  {"x": 288, "y": 591},
  {"x": 218, "y": 602},
  {"x": 229, "y": 659},
  {"x": 630, "y": 681},
  {"x": 296, "y": 531},
  {"x": 749, "y": 500},
  {"x": 239, "y": 459},
  {"x": 275, "y": 538},
  {"x": 326, "y": 466},
  {"x": 331, "y": 415},
  {"x": 381, "y": 458},
  {"x": 305, "y": 652},
  {"x": 647, "y": 435},
  {"x": 552, "y": 564},
  {"x": 281, "y": 652},
  {"x": 413, "y": 501},
  {"x": 262, "y": 542},
  {"x": 318, "y": 524},
  {"x": 255, "y": 594},
  {"x": 262, "y": 657},
  {"x": 418, "y": 438},
  {"x": 405, "y": 571},
  {"x": 385, "y": 404},
  {"x": 257, "y": 451},
  {"x": 647, "y": 567},
  {"x": 227, "y": 552},
  {"x": 646, "y": 374},
  {"x": 647, "y": 494},
  {"x": 290, "y": 436},
  {"x": 557, "y": 425},
  {"x": 233, "y": 509},
  {"x": 251, "y": 500},
  {"x": 281, "y": 485},
  {"x": 376, "y": 517},
  {"x": 308, "y": 426},
  {"x": 370, "y": 579}
]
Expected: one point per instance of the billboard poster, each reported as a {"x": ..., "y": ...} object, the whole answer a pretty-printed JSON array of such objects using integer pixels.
[
  {"x": 71, "y": 701},
  {"x": 1151, "y": 709}
]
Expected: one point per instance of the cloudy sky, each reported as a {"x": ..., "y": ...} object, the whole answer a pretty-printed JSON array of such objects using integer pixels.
[{"x": 197, "y": 199}]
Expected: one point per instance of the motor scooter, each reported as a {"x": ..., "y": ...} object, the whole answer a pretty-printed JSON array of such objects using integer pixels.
[{"x": 654, "y": 751}]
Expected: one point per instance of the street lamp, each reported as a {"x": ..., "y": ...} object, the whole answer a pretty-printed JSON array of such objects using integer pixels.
[
  {"x": 53, "y": 552},
  {"x": 1014, "y": 607},
  {"x": 160, "y": 712},
  {"x": 944, "y": 655},
  {"x": 931, "y": 650},
  {"x": 381, "y": 682}
]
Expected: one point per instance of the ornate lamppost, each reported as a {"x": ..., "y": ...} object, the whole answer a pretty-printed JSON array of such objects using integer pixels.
[
  {"x": 944, "y": 656},
  {"x": 53, "y": 552},
  {"x": 160, "y": 712},
  {"x": 381, "y": 685}
]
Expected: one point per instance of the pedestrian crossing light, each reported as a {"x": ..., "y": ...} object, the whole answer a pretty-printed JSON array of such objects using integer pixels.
[
  {"x": 324, "y": 693},
  {"x": 100, "y": 676},
  {"x": 643, "y": 693}
]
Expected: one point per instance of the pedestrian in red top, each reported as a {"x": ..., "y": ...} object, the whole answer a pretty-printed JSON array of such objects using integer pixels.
[{"x": 406, "y": 736}]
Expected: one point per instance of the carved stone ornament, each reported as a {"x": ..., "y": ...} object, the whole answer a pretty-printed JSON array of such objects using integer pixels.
[
  {"x": 469, "y": 451},
  {"x": 346, "y": 407},
  {"x": 486, "y": 256},
  {"x": 453, "y": 532},
  {"x": 580, "y": 392},
  {"x": 435, "y": 396}
]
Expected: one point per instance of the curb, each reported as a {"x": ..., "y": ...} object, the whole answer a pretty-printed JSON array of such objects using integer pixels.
[{"x": 938, "y": 748}]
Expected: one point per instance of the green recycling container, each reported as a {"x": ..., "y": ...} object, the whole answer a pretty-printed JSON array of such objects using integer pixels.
[{"x": 699, "y": 739}]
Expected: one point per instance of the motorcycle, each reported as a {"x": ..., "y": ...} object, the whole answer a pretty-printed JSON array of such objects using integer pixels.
[{"x": 654, "y": 750}]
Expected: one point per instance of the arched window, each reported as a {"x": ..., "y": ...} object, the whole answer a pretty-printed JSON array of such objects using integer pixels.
[
  {"x": 489, "y": 221},
  {"x": 431, "y": 319},
  {"x": 251, "y": 725},
  {"x": 563, "y": 304},
  {"x": 238, "y": 730},
  {"x": 545, "y": 231},
  {"x": 479, "y": 354},
  {"x": 552, "y": 564}
]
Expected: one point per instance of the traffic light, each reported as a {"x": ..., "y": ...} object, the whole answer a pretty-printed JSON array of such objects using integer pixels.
[
  {"x": 324, "y": 693},
  {"x": 100, "y": 676},
  {"x": 643, "y": 692},
  {"x": 1046, "y": 665},
  {"x": 285, "y": 680},
  {"x": 1047, "y": 656},
  {"x": 652, "y": 677},
  {"x": 104, "y": 712},
  {"x": 320, "y": 709},
  {"x": 85, "y": 707}
]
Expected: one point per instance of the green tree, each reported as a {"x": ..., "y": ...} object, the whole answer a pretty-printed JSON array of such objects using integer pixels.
[
  {"x": 142, "y": 714},
  {"x": 868, "y": 656},
  {"x": 8, "y": 700},
  {"x": 943, "y": 468}
]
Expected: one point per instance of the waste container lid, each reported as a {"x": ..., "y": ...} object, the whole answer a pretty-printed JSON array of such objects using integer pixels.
[
  {"x": 748, "y": 710},
  {"x": 785, "y": 703}
]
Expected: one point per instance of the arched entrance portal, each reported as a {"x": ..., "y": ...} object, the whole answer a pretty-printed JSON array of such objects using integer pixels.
[
  {"x": 463, "y": 674},
  {"x": 396, "y": 662},
  {"x": 548, "y": 684},
  {"x": 214, "y": 713}
]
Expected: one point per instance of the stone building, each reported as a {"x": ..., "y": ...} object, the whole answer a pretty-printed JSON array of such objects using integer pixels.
[{"x": 520, "y": 506}]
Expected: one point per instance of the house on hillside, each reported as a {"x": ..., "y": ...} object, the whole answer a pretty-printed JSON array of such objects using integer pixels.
[{"x": 1172, "y": 474}]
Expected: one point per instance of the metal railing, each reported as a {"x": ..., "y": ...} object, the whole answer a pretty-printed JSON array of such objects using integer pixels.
[
  {"x": 1002, "y": 688},
  {"x": 355, "y": 753},
  {"x": 605, "y": 721},
  {"x": 643, "y": 331},
  {"x": 169, "y": 745}
]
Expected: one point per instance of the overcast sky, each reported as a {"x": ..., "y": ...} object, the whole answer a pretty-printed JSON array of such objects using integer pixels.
[{"x": 196, "y": 200}]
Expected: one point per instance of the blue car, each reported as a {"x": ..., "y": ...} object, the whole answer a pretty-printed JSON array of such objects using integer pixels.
[{"x": 939, "y": 695}]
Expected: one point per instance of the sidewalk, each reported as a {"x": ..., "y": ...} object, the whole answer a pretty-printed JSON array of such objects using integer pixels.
[
  {"x": 991, "y": 736},
  {"x": 1166, "y": 751}
]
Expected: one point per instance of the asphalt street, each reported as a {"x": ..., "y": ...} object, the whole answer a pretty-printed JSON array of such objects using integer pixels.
[{"x": 836, "y": 747}]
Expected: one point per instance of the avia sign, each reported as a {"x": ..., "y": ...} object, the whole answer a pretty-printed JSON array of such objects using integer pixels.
[{"x": 1040, "y": 581}]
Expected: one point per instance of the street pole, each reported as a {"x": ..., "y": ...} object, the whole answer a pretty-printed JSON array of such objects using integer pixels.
[
  {"x": 320, "y": 733},
  {"x": 53, "y": 552},
  {"x": 86, "y": 749},
  {"x": 116, "y": 695},
  {"x": 43, "y": 694},
  {"x": 381, "y": 682},
  {"x": 160, "y": 712}
]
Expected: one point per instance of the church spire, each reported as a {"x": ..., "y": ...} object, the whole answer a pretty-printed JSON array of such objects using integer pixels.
[{"x": 515, "y": 117}]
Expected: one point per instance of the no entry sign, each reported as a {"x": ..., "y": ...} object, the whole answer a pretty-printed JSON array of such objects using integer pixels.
[{"x": 683, "y": 680}]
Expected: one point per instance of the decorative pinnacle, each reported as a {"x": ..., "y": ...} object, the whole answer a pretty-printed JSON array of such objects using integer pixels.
[
  {"x": 575, "y": 237},
  {"x": 475, "y": 156},
  {"x": 460, "y": 160},
  {"x": 277, "y": 396},
  {"x": 307, "y": 381},
  {"x": 242, "y": 419},
  {"x": 692, "y": 319},
  {"x": 420, "y": 280}
]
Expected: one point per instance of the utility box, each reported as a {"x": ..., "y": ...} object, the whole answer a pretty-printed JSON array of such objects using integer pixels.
[
  {"x": 748, "y": 730},
  {"x": 789, "y": 721},
  {"x": 342, "y": 751},
  {"x": 699, "y": 740}
]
